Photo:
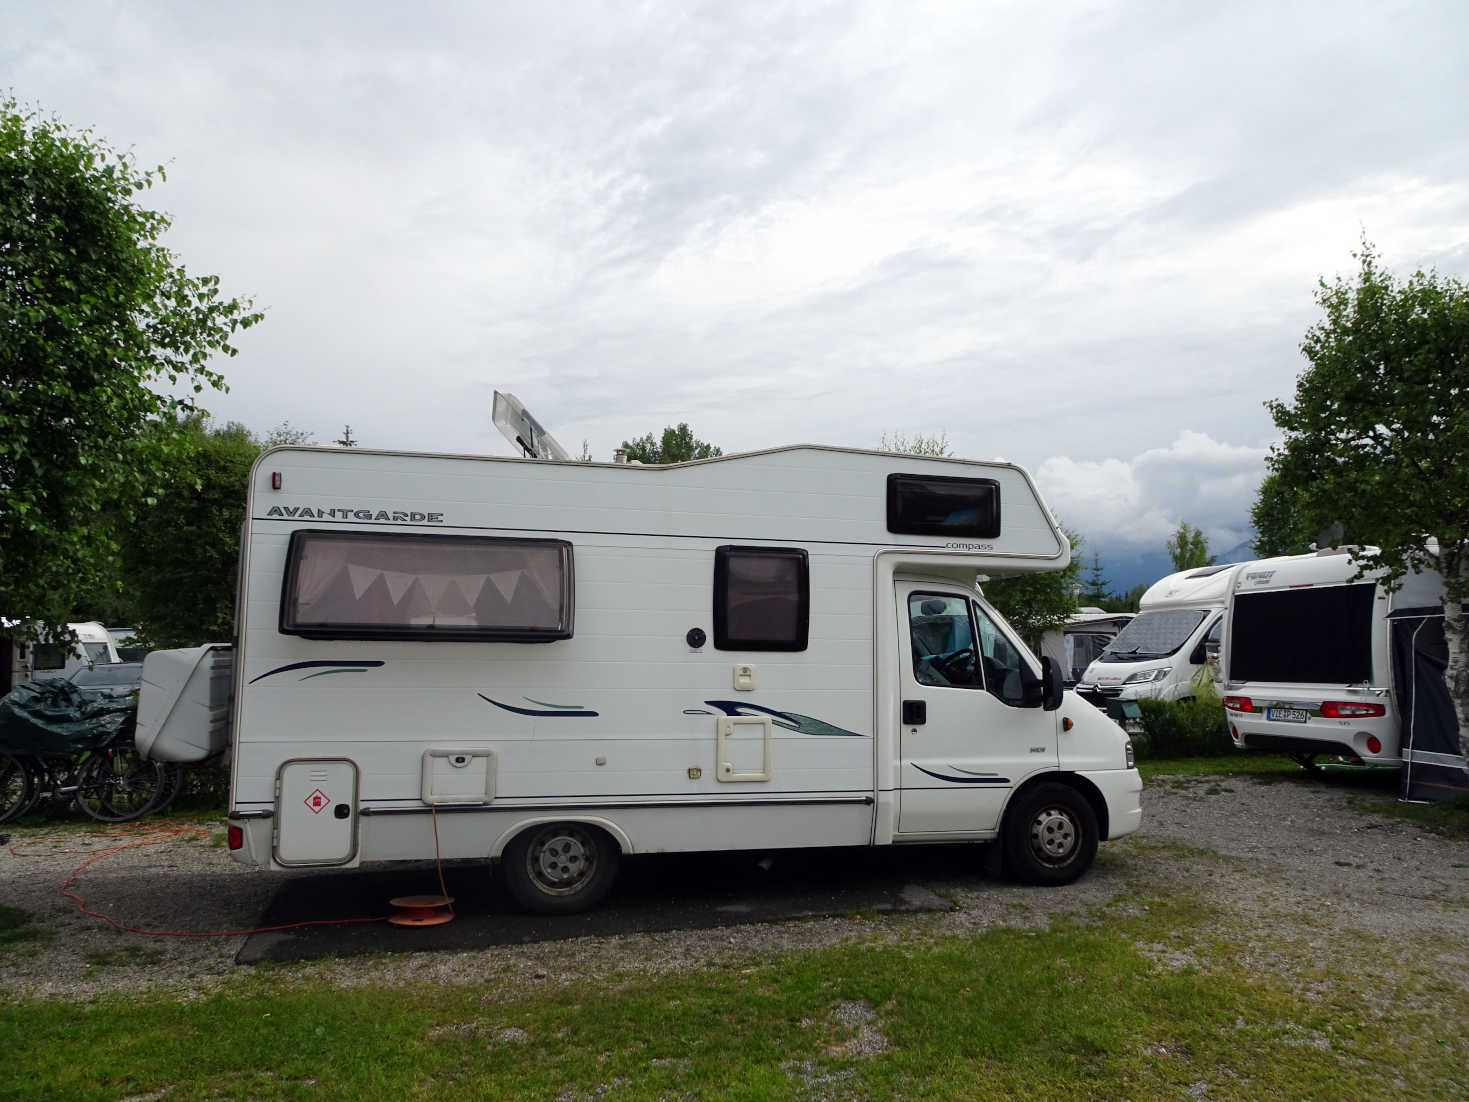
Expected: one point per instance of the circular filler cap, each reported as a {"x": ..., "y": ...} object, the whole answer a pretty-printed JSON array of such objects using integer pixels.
[{"x": 696, "y": 637}]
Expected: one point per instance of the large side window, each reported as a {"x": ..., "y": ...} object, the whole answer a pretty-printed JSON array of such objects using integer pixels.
[
  {"x": 943, "y": 641},
  {"x": 940, "y": 505},
  {"x": 762, "y": 598},
  {"x": 382, "y": 585}
]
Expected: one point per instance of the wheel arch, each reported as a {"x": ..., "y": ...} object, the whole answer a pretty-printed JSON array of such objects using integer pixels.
[
  {"x": 1087, "y": 789},
  {"x": 607, "y": 826}
]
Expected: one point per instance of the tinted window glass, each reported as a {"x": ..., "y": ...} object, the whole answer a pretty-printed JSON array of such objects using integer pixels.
[
  {"x": 1154, "y": 635},
  {"x": 931, "y": 505},
  {"x": 1000, "y": 661},
  {"x": 762, "y": 598},
  {"x": 943, "y": 641},
  {"x": 48, "y": 656},
  {"x": 96, "y": 652},
  {"x": 350, "y": 585},
  {"x": 1303, "y": 636}
]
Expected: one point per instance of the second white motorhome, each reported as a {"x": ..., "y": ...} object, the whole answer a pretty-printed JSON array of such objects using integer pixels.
[
  {"x": 551, "y": 664},
  {"x": 1307, "y": 659},
  {"x": 21, "y": 660},
  {"x": 1163, "y": 652}
]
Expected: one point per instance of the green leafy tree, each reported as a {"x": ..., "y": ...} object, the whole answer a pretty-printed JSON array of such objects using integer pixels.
[
  {"x": 1276, "y": 517},
  {"x": 1377, "y": 436},
  {"x": 181, "y": 555},
  {"x": 1189, "y": 548},
  {"x": 94, "y": 313},
  {"x": 1037, "y": 603},
  {"x": 677, "y": 445},
  {"x": 1033, "y": 603}
]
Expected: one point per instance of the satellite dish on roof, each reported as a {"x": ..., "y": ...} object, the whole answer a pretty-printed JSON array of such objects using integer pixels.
[{"x": 523, "y": 430}]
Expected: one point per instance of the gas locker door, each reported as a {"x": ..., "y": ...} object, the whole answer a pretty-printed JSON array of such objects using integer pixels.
[{"x": 316, "y": 812}]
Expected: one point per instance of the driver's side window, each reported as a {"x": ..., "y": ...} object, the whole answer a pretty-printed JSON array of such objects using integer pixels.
[{"x": 943, "y": 641}]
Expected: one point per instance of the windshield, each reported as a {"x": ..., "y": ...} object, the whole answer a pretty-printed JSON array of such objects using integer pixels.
[{"x": 1153, "y": 635}]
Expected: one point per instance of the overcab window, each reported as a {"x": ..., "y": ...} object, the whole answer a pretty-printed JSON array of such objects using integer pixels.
[
  {"x": 938, "y": 505},
  {"x": 762, "y": 598},
  {"x": 375, "y": 585}
]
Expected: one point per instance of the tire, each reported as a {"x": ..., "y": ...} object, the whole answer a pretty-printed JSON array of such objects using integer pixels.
[
  {"x": 118, "y": 785},
  {"x": 172, "y": 785},
  {"x": 1050, "y": 835},
  {"x": 560, "y": 868},
  {"x": 15, "y": 788}
]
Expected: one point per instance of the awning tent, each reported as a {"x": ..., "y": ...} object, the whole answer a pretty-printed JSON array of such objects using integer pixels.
[{"x": 1433, "y": 764}]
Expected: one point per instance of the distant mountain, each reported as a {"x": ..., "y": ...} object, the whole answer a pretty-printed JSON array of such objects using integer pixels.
[{"x": 1124, "y": 568}]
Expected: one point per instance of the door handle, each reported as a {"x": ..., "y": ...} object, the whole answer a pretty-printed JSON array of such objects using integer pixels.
[{"x": 915, "y": 712}]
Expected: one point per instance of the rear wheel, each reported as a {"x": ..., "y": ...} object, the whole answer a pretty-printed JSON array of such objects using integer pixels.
[
  {"x": 560, "y": 868},
  {"x": 1050, "y": 835},
  {"x": 117, "y": 786}
]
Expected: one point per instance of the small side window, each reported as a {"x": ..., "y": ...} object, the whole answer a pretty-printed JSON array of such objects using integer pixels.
[
  {"x": 939, "y": 505},
  {"x": 762, "y": 598}
]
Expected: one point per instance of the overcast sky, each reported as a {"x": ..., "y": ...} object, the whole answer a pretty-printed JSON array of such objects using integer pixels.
[{"x": 1082, "y": 237}]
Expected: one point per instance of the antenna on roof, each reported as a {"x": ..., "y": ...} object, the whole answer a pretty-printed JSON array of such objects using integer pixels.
[{"x": 523, "y": 430}]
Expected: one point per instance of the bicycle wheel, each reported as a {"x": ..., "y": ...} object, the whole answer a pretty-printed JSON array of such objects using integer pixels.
[
  {"x": 15, "y": 788},
  {"x": 118, "y": 785},
  {"x": 173, "y": 783}
]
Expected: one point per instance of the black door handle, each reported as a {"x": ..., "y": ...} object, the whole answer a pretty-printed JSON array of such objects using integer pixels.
[{"x": 915, "y": 712}]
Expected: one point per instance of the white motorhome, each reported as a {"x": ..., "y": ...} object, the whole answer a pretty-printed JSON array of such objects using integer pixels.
[
  {"x": 27, "y": 661},
  {"x": 1307, "y": 660},
  {"x": 1163, "y": 652},
  {"x": 552, "y": 664}
]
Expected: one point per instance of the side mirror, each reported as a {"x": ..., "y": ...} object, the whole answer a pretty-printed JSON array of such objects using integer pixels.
[{"x": 1052, "y": 687}]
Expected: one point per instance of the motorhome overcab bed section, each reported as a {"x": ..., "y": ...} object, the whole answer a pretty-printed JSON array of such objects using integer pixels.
[{"x": 574, "y": 661}]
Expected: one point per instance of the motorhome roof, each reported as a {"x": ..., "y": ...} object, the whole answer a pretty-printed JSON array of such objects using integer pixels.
[
  {"x": 1200, "y": 587},
  {"x": 1334, "y": 567}
]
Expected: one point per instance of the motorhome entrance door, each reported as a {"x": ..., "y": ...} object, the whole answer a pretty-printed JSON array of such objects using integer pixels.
[
  {"x": 316, "y": 812},
  {"x": 967, "y": 735}
]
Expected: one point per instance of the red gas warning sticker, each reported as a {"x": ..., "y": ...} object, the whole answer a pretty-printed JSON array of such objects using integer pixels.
[{"x": 318, "y": 802}]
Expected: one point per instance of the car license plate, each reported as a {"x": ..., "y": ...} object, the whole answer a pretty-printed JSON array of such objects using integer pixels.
[{"x": 1289, "y": 715}]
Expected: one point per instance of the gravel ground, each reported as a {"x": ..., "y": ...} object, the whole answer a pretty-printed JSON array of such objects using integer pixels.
[{"x": 1296, "y": 867}]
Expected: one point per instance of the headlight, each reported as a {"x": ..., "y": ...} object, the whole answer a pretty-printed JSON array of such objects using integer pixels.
[{"x": 1144, "y": 676}]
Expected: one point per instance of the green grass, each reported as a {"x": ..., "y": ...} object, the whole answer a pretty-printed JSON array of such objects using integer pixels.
[
  {"x": 1239, "y": 764},
  {"x": 1147, "y": 999},
  {"x": 1447, "y": 817}
]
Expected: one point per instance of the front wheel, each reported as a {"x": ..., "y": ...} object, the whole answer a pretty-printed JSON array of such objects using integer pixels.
[
  {"x": 1050, "y": 835},
  {"x": 560, "y": 868}
]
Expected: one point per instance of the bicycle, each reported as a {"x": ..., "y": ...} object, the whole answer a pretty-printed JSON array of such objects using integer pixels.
[{"x": 112, "y": 784}]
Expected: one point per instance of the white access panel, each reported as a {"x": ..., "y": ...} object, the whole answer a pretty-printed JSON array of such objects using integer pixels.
[
  {"x": 743, "y": 748},
  {"x": 462, "y": 775},
  {"x": 316, "y": 812}
]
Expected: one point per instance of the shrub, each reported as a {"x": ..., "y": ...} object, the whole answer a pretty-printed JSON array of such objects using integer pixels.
[{"x": 1183, "y": 728}]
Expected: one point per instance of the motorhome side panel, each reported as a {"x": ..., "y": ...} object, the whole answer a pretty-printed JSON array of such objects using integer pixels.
[{"x": 624, "y": 713}]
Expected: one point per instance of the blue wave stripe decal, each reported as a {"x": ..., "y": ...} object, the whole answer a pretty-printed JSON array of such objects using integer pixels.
[
  {"x": 351, "y": 665},
  {"x": 534, "y": 711},
  {"x": 991, "y": 778},
  {"x": 791, "y": 721}
]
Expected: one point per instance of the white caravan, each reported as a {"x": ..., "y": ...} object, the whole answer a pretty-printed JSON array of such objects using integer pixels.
[
  {"x": 1307, "y": 657},
  {"x": 551, "y": 664},
  {"x": 26, "y": 661},
  {"x": 1163, "y": 651}
]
